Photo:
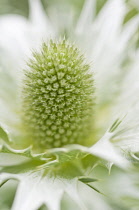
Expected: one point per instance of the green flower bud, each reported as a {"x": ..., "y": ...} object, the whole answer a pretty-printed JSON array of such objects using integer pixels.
[{"x": 58, "y": 97}]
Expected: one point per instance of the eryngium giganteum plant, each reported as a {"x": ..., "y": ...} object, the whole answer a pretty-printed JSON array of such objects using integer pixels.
[
  {"x": 58, "y": 97},
  {"x": 67, "y": 112}
]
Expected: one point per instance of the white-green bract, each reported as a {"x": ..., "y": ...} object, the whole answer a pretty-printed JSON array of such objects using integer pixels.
[{"x": 70, "y": 177}]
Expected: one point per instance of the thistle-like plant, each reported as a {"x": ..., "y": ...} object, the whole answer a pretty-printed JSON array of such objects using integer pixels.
[
  {"x": 53, "y": 140},
  {"x": 56, "y": 111}
]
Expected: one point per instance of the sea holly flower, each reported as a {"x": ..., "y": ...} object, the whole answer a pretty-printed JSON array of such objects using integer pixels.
[
  {"x": 58, "y": 97},
  {"x": 54, "y": 136}
]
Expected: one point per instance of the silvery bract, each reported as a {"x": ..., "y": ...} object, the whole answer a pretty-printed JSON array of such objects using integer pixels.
[{"x": 69, "y": 110}]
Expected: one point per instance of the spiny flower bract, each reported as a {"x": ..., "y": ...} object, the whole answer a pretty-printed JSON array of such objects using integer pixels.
[{"x": 58, "y": 97}]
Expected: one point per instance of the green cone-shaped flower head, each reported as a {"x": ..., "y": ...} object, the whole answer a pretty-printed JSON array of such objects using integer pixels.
[{"x": 58, "y": 96}]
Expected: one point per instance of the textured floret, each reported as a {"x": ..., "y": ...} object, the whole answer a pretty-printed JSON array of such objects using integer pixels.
[{"x": 58, "y": 97}]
